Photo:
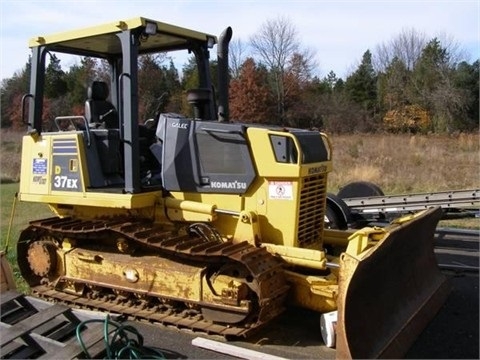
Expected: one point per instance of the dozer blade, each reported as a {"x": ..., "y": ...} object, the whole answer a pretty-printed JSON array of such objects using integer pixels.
[{"x": 388, "y": 294}]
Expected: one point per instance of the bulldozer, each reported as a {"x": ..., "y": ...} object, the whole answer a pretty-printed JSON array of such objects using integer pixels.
[{"x": 201, "y": 221}]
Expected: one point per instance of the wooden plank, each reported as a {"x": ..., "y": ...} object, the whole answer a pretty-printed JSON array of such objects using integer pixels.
[
  {"x": 48, "y": 345},
  {"x": 23, "y": 327},
  {"x": 6, "y": 275},
  {"x": 232, "y": 350},
  {"x": 36, "y": 345},
  {"x": 20, "y": 350},
  {"x": 58, "y": 330},
  {"x": 15, "y": 307},
  {"x": 47, "y": 348},
  {"x": 91, "y": 336},
  {"x": 43, "y": 334},
  {"x": 9, "y": 296}
]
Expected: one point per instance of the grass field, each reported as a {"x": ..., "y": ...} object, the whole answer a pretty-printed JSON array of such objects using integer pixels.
[
  {"x": 399, "y": 164},
  {"x": 24, "y": 212}
]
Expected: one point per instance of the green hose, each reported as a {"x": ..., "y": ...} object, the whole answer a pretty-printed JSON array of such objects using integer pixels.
[{"x": 125, "y": 341}]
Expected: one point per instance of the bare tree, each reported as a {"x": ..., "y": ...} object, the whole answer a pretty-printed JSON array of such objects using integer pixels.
[
  {"x": 276, "y": 43},
  {"x": 406, "y": 47},
  {"x": 237, "y": 56},
  {"x": 457, "y": 54}
]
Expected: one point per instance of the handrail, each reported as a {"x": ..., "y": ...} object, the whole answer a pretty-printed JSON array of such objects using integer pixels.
[
  {"x": 24, "y": 98},
  {"x": 121, "y": 104},
  {"x": 71, "y": 118}
]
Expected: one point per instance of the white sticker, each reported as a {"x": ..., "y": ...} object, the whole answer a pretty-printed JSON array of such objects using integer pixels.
[{"x": 280, "y": 190}]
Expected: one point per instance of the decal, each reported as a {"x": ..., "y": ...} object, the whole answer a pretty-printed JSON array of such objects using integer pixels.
[
  {"x": 280, "y": 190},
  {"x": 39, "y": 179},
  {"x": 179, "y": 125},
  {"x": 65, "y": 173},
  {"x": 40, "y": 166},
  {"x": 317, "y": 170},
  {"x": 64, "y": 182},
  {"x": 228, "y": 185}
]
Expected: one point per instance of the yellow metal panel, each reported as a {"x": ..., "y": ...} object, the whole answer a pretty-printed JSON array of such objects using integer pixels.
[
  {"x": 38, "y": 159},
  {"x": 314, "y": 259},
  {"x": 147, "y": 274},
  {"x": 101, "y": 38},
  {"x": 37, "y": 173},
  {"x": 184, "y": 210},
  {"x": 318, "y": 293},
  {"x": 31, "y": 181},
  {"x": 259, "y": 140},
  {"x": 125, "y": 201}
]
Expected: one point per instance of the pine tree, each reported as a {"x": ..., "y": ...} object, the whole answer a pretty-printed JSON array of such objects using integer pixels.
[{"x": 361, "y": 86}]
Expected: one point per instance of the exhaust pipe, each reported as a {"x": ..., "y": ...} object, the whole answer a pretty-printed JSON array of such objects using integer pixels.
[{"x": 223, "y": 74}]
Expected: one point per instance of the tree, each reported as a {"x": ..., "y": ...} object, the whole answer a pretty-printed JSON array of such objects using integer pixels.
[
  {"x": 153, "y": 86},
  {"x": 434, "y": 86},
  {"x": 296, "y": 82},
  {"x": 393, "y": 85},
  {"x": 276, "y": 43},
  {"x": 11, "y": 93},
  {"x": 237, "y": 56},
  {"x": 406, "y": 48},
  {"x": 361, "y": 86},
  {"x": 250, "y": 98},
  {"x": 335, "y": 112},
  {"x": 190, "y": 80},
  {"x": 466, "y": 78},
  {"x": 171, "y": 99},
  {"x": 55, "y": 84},
  {"x": 78, "y": 78}
]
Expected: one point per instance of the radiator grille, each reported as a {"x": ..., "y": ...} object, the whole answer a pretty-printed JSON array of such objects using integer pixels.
[{"x": 312, "y": 209}]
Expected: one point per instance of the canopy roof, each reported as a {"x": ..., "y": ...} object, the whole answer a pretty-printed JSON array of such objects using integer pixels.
[{"x": 101, "y": 40}]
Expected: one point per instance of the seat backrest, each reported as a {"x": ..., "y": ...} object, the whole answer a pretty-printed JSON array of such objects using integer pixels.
[{"x": 98, "y": 110}]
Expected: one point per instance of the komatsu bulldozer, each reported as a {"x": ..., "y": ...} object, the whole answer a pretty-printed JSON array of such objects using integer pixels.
[{"x": 201, "y": 221}]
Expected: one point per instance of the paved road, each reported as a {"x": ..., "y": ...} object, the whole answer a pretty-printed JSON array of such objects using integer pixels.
[{"x": 453, "y": 334}]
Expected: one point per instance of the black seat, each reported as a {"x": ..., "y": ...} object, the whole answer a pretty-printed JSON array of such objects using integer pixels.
[{"x": 98, "y": 110}]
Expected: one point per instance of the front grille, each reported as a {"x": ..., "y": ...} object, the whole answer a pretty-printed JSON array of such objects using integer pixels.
[{"x": 312, "y": 209}]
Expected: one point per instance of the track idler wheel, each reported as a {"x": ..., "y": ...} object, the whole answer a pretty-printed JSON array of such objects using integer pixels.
[
  {"x": 42, "y": 257},
  {"x": 38, "y": 260}
]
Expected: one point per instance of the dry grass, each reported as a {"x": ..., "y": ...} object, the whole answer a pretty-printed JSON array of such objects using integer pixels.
[
  {"x": 10, "y": 148},
  {"x": 407, "y": 163}
]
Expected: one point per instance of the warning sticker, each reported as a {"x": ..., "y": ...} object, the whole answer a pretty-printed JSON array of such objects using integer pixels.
[
  {"x": 280, "y": 190},
  {"x": 39, "y": 166}
]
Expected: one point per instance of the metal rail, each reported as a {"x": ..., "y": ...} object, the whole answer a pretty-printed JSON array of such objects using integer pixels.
[{"x": 457, "y": 199}]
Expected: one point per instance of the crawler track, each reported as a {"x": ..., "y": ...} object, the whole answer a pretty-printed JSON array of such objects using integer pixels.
[{"x": 264, "y": 271}]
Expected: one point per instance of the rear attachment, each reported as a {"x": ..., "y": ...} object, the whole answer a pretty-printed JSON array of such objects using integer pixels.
[{"x": 389, "y": 293}]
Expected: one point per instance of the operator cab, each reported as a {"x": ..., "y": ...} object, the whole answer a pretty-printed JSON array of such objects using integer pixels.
[{"x": 117, "y": 146}]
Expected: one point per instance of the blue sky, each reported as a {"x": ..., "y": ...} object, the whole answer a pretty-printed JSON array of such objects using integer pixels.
[{"x": 338, "y": 32}]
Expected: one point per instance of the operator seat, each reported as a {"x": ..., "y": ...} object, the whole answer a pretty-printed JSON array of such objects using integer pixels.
[{"x": 98, "y": 110}]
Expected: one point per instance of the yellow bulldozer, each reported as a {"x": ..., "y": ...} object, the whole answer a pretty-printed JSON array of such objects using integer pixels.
[{"x": 202, "y": 221}]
